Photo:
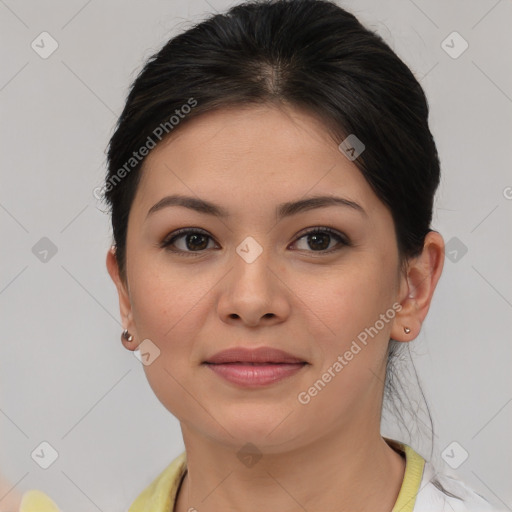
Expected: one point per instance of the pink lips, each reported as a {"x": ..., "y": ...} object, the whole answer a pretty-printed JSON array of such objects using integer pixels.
[{"x": 254, "y": 367}]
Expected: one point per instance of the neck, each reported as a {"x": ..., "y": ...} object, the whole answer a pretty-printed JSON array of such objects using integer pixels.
[{"x": 342, "y": 473}]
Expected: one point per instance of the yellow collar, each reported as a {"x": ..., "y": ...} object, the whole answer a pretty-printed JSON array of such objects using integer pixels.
[
  {"x": 160, "y": 495},
  {"x": 414, "y": 466}
]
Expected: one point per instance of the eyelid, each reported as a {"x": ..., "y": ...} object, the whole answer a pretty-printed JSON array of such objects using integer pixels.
[
  {"x": 185, "y": 231},
  {"x": 324, "y": 229},
  {"x": 166, "y": 242},
  {"x": 343, "y": 239}
]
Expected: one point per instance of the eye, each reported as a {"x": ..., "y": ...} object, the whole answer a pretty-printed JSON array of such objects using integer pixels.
[
  {"x": 195, "y": 240},
  {"x": 320, "y": 238}
]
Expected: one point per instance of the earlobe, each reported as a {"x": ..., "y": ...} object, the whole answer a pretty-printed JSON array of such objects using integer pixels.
[
  {"x": 417, "y": 288},
  {"x": 406, "y": 324},
  {"x": 128, "y": 341},
  {"x": 124, "y": 298}
]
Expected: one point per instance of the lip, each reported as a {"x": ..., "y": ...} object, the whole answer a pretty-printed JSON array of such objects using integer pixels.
[
  {"x": 255, "y": 374},
  {"x": 254, "y": 367},
  {"x": 254, "y": 355}
]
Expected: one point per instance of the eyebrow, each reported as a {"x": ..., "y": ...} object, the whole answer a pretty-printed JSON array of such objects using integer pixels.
[{"x": 283, "y": 210}]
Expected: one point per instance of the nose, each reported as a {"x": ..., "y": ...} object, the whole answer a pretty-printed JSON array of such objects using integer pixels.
[{"x": 254, "y": 294}]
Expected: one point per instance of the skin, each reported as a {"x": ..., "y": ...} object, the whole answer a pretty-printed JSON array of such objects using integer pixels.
[
  {"x": 10, "y": 498},
  {"x": 328, "y": 454}
]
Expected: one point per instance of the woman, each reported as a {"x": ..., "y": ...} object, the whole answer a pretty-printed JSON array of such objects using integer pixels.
[{"x": 271, "y": 182}]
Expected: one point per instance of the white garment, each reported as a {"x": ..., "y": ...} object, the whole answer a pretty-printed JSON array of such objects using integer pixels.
[{"x": 432, "y": 499}]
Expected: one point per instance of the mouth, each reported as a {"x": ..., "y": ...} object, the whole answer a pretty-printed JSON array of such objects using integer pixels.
[
  {"x": 249, "y": 363},
  {"x": 250, "y": 374},
  {"x": 257, "y": 367},
  {"x": 257, "y": 356}
]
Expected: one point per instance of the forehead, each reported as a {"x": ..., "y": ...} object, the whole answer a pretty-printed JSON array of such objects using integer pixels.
[{"x": 250, "y": 157}]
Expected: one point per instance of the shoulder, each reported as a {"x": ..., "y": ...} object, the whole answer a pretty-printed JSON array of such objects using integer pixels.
[
  {"x": 456, "y": 497},
  {"x": 426, "y": 490},
  {"x": 37, "y": 501},
  {"x": 160, "y": 495}
]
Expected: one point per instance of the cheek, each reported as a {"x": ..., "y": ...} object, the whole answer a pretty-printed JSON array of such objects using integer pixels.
[
  {"x": 166, "y": 303},
  {"x": 352, "y": 352},
  {"x": 350, "y": 303},
  {"x": 349, "y": 299},
  {"x": 167, "y": 310}
]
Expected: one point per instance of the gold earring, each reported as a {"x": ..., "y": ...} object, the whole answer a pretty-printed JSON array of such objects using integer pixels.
[
  {"x": 126, "y": 336},
  {"x": 407, "y": 330}
]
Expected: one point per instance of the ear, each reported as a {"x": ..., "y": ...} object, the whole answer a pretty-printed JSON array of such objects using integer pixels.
[
  {"x": 417, "y": 287},
  {"x": 124, "y": 299}
]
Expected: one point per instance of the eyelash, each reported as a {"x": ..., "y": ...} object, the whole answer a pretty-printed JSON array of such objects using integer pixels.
[{"x": 166, "y": 244}]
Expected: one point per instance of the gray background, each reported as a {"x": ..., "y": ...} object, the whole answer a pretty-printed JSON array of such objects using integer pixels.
[{"x": 65, "y": 377}]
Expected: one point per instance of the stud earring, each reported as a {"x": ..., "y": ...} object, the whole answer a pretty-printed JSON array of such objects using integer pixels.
[
  {"x": 126, "y": 336},
  {"x": 407, "y": 330}
]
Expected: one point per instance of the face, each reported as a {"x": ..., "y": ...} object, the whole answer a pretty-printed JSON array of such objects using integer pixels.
[{"x": 255, "y": 277}]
